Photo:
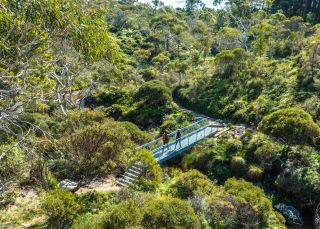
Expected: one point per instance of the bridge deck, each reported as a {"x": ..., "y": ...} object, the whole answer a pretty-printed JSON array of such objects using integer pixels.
[{"x": 174, "y": 148}]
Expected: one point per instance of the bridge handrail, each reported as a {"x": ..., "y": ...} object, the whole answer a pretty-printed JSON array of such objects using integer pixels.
[
  {"x": 170, "y": 135},
  {"x": 182, "y": 138}
]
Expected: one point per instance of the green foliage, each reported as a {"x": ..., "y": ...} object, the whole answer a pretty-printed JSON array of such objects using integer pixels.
[
  {"x": 161, "y": 60},
  {"x": 95, "y": 201},
  {"x": 142, "y": 55},
  {"x": 88, "y": 220},
  {"x": 7, "y": 198},
  {"x": 61, "y": 207},
  {"x": 165, "y": 212},
  {"x": 155, "y": 171},
  {"x": 254, "y": 173},
  {"x": 292, "y": 125},
  {"x": 247, "y": 62},
  {"x": 253, "y": 197},
  {"x": 92, "y": 150},
  {"x": 264, "y": 150},
  {"x": 300, "y": 178},
  {"x": 112, "y": 96},
  {"x": 13, "y": 163},
  {"x": 220, "y": 210},
  {"x": 231, "y": 61},
  {"x": 239, "y": 203},
  {"x": 154, "y": 101},
  {"x": 149, "y": 74},
  {"x": 124, "y": 215},
  {"x": 155, "y": 93},
  {"x": 190, "y": 184},
  {"x": 215, "y": 159},
  {"x": 238, "y": 162}
]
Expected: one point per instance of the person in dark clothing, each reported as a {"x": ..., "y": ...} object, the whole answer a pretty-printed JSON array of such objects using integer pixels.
[{"x": 178, "y": 139}]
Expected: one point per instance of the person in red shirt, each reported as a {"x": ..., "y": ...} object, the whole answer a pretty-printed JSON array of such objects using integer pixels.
[{"x": 165, "y": 138}]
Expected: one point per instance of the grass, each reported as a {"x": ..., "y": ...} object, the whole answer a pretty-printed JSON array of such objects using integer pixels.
[{"x": 25, "y": 213}]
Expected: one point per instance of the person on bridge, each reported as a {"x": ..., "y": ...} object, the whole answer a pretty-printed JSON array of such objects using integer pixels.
[
  {"x": 178, "y": 139},
  {"x": 165, "y": 139}
]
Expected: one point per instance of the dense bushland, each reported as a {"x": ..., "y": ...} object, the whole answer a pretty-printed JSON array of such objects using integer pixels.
[{"x": 83, "y": 83}]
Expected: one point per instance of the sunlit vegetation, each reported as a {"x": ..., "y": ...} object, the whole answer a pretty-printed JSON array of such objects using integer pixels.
[{"x": 84, "y": 83}]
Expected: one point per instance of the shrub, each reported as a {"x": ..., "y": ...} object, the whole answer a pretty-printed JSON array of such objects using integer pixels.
[
  {"x": 142, "y": 55},
  {"x": 155, "y": 171},
  {"x": 138, "y": 136},
  {"x": 212, "y": 159},
  {"x": 95, "y": 201},
  {"x": 153, "y": 103},
  {"x": 233, "y": 145},
  {"x": 112, "y": 96},
  {"x": 258, "y": 206},
  {"x": 254, "y": 173},
  {"x": 220, "y": 209},
  {"x": 92, "y": 150},
  {"x": 149, "y": 74},
  {"x": 80, "y": 119},
  {"x": 300, "y": 179},
  {"x": 165, "y": 212},
  {"x": 61, "y": 207},
  {"x": 192, "y": 183},
  {"x": 116, "y": 111},
  {"x": 154, "y": 92},
  {"x": 7, "y": 198},
  {"x": 13, "y": 163},
  {"x": 169, "y": 126},
  {"x": 88, "y": 220},
  {"x": 225, "y": 209},
  {"x": 255, "y": 87},
  {"x": 238, "y": 162},
  {"x": 124, "y": 215},
  {"x": 292, "y": 124},
  {"x": 267, "y": 151}
]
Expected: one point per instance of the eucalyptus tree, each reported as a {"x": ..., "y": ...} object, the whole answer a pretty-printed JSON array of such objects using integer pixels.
[{"x": 45, "y": 49}]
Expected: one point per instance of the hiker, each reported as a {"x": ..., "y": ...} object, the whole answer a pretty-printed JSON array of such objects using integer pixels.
[
  {"x": 178, "y": 139},
  {"x": 165, "y": 139}
]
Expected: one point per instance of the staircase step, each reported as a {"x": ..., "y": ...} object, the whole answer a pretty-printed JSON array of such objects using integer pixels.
[
  {"x": 130, "y": 174},
  {"x": 128, "y": 183},
  {"x": 131, "y": 170},
  {"x": 138, "y": 163},
  {"x": 136, "y": 168},
  {"x": 120, "y": 183},
  {"x": 125, "y": 177}
]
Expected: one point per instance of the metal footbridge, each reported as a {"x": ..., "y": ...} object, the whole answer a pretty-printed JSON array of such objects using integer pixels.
[{"x": 190, "y": 136}]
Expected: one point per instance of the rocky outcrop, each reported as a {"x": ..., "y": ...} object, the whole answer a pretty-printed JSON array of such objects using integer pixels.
[{"x": 291, "y": 214}]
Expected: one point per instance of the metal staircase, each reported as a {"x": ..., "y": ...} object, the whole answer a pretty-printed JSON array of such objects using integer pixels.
[{"x": 131, "y": 175}]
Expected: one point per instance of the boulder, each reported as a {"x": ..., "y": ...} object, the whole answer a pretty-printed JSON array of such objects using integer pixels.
[
  {"x": 69, "y": 185},
  {"x": 291, "y": 214}
]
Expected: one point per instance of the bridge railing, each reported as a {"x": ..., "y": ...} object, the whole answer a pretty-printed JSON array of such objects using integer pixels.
[
  {"x": 192, "y": 138},
  {"x": 184, "y": 132}
]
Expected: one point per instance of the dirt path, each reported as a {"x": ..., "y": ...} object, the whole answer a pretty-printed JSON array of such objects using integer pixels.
[{"x": 103, "y": 184}]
